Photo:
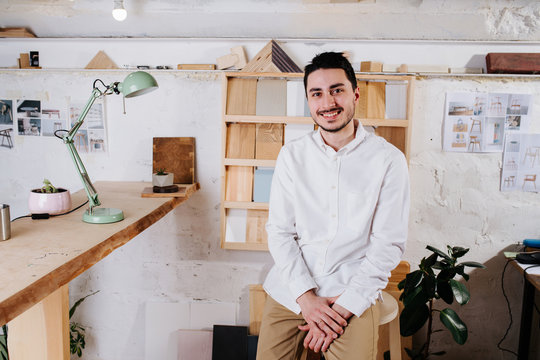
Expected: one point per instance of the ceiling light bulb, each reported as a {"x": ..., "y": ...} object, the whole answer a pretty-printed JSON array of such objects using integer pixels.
[{"x": 119, "y": 13}]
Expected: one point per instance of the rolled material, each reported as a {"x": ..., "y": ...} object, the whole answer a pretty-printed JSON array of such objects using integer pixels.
[{"x": 5, "y": 223}]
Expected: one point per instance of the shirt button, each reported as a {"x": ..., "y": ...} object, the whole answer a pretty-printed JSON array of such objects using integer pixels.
[
  {"x": 333, "y": 187},
  {"x": 333, "y": 215}
]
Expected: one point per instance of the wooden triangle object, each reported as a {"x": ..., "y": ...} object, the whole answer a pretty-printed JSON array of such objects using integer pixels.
[
  {"x": 272, "y": 58},
  {"x": 101, "y": 61}
]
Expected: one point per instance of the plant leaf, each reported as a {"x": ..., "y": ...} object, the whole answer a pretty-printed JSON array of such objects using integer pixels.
[
  {"x": 415, "y": 298},
  {"x": 461, "y": 293},
  {"x": 429, "y": 285},
  {"x": 459, "y": 251},
  {"x": 77, "y": 303},
  {"x": 412, "y": 319},
  {"x": 401, "y": 284},
  {"x": 473, "y": 264},
  {"x": 413, "y": 280},
  {"x": 446, "y": 274},
  {"x": 445, "y": 291},
  {"x": 438, "y": 252},
  {"x": 428, "y": 262},
  {"x": 453, "y": 323}
]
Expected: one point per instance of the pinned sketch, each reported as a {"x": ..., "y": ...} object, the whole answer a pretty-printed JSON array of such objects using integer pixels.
[
  {"x": 521, "y": 163},
  {"x": 6, "y": 112},
  {"x": 53, "y": 118},
  {"x": 477, "y": 122},
  {"x": 91, "y": 135}
]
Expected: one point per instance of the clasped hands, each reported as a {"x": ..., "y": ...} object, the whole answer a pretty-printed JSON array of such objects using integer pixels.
[{"x": 325, "y": 320}]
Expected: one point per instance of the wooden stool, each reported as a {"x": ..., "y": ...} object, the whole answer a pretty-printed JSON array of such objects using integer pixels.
[
  {"x": 531, "y": 178},
  {"x": 389, "y": 314},
  {"x": 476, "y": 123},
  {"x": 473, "y": 140}
]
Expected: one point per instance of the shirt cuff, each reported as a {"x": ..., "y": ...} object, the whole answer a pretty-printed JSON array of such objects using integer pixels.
[
  {"x": 357, "y": 303},
  {"x": 300, "y": 285}
]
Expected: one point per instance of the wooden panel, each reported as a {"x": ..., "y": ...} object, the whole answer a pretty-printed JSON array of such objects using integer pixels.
[
  {"x": 257, "y": 299},
  {"x": 361, "y": 106},
  {"x": 394, "y": 135},
  {"x": 176, "y": 155},
  {"x": 241, "y": 96},
  {"x": 239, "y": 183},
  {"x": 46, "y": 325},
  {"x": 101, "y": 61},
  {"x": 269, "y": 141},
  {"x": 240, "y": 141},
  {"x": 376, "y": 104},
  {"x": 370, "y": 66},
  {"x": 183, "y": 191},
  {"x": 255, "y": 226}
]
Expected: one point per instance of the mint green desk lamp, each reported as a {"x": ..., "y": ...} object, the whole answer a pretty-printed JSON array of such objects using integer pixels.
[{"x": 135, "y": 84}]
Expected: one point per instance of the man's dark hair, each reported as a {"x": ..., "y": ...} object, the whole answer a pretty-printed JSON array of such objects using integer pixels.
[{"x": 330, "y": 60}]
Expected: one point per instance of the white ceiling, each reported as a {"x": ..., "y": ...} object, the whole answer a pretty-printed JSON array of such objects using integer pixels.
[{"x": 281, "y": 19}]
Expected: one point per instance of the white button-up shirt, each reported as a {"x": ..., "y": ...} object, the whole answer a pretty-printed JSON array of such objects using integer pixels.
[{"x": 337, "y": 221}]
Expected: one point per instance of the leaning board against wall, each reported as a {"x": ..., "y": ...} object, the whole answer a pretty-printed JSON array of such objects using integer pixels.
[{"x": 263, "y": 111}]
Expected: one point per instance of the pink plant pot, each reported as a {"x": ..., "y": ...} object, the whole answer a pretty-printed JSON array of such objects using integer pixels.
[{"x": 49, "y": 203}]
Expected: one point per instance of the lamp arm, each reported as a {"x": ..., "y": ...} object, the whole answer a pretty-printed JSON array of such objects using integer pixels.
[{"x": 91, "y": 192}]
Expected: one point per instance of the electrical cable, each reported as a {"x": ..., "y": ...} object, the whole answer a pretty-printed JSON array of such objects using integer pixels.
[
  {"x": 509, "y": 313},
  {"x": 46, "y": 216}
]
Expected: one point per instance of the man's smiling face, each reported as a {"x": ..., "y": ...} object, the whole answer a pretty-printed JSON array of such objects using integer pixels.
[{"x": 331, "y": 98}]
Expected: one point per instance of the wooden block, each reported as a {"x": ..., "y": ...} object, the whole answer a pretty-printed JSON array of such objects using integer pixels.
[
  {"x": 257, "y": 299},
  {"x": 394, "y": 135},
  {"x": 361, "y": 107},
  {"x": 239, "y": 183},
  {"x": 196, "y": 67},
  {"x": 466, "y": 70},
  {"x": 24, "y": 60},
  {"x": 175, "y": 155},
  {"x": 269, "y": 140},
  {"x": 271, "y": 97},
  {"x": 101, "y": 61},
  {"x": 47, "y": 324},
  {"x": 255, "y": 226},
  {"x": 271, "y": 58},
  {"x": 513, "y": 63},
  {"x": 371, "y": 66},
  {"x": 16, "y": 32},
  {"x": 226, "y": 61},
  {"x": 376, "y": 104},
  {"x": 241, "y": 60},
  {"x": 241, "y": 96},
  {"x": 240, "y": 141}
]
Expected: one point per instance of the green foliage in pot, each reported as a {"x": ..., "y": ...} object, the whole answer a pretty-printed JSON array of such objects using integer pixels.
[
  {"x": 3, "y": 344},
  {"x": 435, "y": 280},
  {"x": 48, "y": 187},
  {"x": 161, "y": 171},
  {"x": 77, "y": 341}
]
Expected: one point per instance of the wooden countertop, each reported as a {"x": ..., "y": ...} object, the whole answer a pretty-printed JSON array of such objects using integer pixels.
[{"x": 43, "y": 255}]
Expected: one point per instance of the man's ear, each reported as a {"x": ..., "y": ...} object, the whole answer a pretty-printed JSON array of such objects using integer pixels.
[{"x": 356, "y": 94}]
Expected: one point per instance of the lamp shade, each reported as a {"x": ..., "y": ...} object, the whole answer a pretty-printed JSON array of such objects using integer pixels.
[{"x": 137, "y": 83}]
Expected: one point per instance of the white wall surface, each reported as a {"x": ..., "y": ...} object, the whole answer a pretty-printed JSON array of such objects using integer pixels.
[
  {"x": 309, "y": 19},
  {"x": 455, "y": 197}
]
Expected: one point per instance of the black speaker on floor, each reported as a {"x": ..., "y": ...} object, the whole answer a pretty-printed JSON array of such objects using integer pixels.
[{"x": 230, "y": 343}]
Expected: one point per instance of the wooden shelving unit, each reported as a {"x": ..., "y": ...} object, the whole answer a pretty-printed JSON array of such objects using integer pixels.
[{"x": 242, "y": 121}]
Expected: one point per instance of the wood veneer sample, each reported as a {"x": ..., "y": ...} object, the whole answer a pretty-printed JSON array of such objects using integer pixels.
[
  {"x": 175, "y": 155},
  {"x": 240, "y": 141},
  {"x": 239, "y": 183},
  {"x": 255, "y": 226},
  {"x": 241, "y": 96},
  {"x": 269, "y": 140},
  {"x": 361, "y": 107},
  {"x": 394, "y": 135},
  {"x": 376, "y": 104},
  {"x": 271, "y": 97}
]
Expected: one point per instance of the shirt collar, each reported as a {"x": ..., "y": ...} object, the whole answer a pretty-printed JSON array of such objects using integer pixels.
[{"x": 359, "y": 136}]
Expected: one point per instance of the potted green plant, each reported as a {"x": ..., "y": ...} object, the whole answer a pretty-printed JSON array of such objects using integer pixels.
[
  {"x": 434, "y": 279},
  {"x": 49, "y": 199},
  {"x": 77, "y": 340},
  {"x": 162, "y": 178}
]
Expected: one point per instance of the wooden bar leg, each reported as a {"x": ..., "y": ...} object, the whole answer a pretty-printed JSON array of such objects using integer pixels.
[
  {"x": 42, "y": 332},
  {"x": 395, "y": 339}
]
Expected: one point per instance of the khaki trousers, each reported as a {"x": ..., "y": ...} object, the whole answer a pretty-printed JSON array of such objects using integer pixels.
[{"x": 280, "y": 338}]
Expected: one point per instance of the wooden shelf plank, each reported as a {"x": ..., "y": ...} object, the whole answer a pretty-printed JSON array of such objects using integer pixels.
[
  {"x": 183, "y": 191},
  {"x": 268, "y": 119},
  {"x": 245, "y": 205},
  {"x": 360, "y": 76},
  {"x": 245, "y": 246},
  {"x": 249, "y": 162},
  {"x": 385, "y": 122}
]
